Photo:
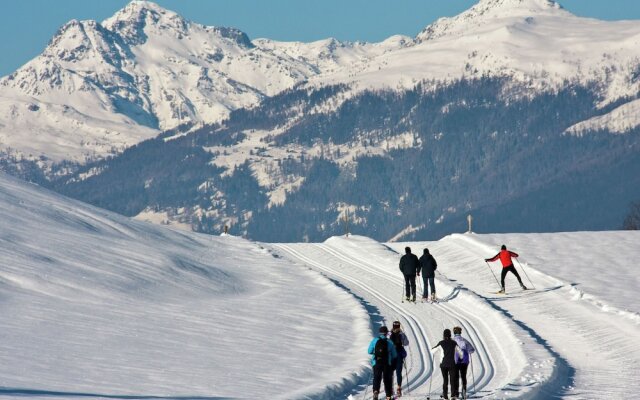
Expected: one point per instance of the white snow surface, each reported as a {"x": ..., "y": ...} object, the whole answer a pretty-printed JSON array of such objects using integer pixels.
[{"x": 96, "y": 305}]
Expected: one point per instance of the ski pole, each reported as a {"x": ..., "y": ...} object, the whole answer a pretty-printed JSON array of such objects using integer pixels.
[
  {"x": 525, "y": 273},
  {"x": 404, "y": 363},
  {"x": 366, "y": 389},
  {"x": 433, "y": 370},
  {"x": 494, "y": 275},
  {"x": 406, "y": 375},
  {"x": 472, "y": 374}
]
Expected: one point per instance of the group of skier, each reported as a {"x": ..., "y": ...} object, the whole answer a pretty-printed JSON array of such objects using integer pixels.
[
  {"x": 388, "y": 351},
  {"x": 411, "y": 266},
  {"x": 388, "y": 355}
]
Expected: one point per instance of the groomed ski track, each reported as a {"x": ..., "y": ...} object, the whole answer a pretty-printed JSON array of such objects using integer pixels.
[
  {"x": 509, "y": 359},
  {"x": 595, "y": 350}
]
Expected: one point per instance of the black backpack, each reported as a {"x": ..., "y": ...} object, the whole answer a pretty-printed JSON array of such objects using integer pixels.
[
  {"x": 396, "y": 338},
  {"x": 381, "y": 351}
]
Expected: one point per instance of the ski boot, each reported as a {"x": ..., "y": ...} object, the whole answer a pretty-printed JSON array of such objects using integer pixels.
[
  {"x": 501, "y": 291},
  {"x": 523, "y": 287},
  {"x": 399, "y": 392},
  {"x": 375, "y": 395}
]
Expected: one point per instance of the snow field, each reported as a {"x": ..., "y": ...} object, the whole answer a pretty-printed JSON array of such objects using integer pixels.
[{"x": 98, "y": 305}]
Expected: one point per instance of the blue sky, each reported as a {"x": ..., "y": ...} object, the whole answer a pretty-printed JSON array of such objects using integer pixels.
[{"x": 27, "y": 25}]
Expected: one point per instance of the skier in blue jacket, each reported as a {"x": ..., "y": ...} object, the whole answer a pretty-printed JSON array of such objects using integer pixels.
[{"x": 383, "y": 358}]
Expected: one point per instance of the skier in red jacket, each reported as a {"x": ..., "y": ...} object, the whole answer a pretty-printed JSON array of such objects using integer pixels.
[{"x": 507, "y": 265}]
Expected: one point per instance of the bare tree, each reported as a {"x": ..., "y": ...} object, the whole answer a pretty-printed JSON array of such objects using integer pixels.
[{"x": 632, "y": 221}]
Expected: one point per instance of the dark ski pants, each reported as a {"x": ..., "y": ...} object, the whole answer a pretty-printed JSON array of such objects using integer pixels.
[
  {"x": 449, "y": 374},
  {"x": 410, "y": 285},
  {"x": 462, "y": 373},
  {"x": 383, "y": 372},
  {"x": 428, "y": 281},
  {"x": 510, "y": 268},
  {"x": 399, "y": 365}
]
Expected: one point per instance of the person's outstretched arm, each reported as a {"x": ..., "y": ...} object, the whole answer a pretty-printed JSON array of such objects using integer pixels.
[{"x": 492, "y": 258}]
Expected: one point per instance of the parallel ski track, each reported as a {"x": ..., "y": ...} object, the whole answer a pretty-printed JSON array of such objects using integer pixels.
[
  {"x": 486, "y": 368},
  {"x": 425, "y": 369},
  {"x": 419, "y": 374}
]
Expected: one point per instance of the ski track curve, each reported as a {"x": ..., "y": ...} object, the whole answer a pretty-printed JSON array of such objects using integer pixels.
[
  {"x": 370, "y": 276},
  {"x": 595, "y": 349}
]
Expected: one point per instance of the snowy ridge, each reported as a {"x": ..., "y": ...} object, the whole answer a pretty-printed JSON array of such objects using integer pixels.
[
  {"x": 524, "y": 40},
  {"x": 621, "y": 120},
  {"x": 486, "y": 12}
]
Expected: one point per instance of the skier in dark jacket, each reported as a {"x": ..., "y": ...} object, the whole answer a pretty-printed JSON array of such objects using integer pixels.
[
  {"x": 383, "y": 358},
  {"x": 507, "y": 265},
  {"x": 409, "y": 265},
  {"x": 428, "y": 266},
  {"x": 463, "y": 359},
  {"x": 400, "y": 340},
  {"x": 448, "y": 364}
]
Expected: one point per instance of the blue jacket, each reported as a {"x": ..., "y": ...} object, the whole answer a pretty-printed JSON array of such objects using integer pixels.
[
  {"x": 390, "y": 346},
  {"x": 466, "y": 347}
]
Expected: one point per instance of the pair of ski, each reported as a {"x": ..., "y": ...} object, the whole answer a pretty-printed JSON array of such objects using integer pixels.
[
  {"x": 430, "y": 301},
  {"x": 505, "y": 293}
]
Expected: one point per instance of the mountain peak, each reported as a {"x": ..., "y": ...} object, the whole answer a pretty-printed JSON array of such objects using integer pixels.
[
  {"x": 132, "y": 21},
  {"x": 486, "y": 11},
  {"x": 503, "y": 5}
]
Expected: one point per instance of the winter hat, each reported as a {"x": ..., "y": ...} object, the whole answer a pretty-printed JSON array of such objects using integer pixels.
[
  {"x": 457, "y": 330},
  {"x": 447, "y": 334},
  {"x": 384, "y": 329},
  {"x": 426, "y": 251},
  {"x": 407, "y": 250},
  {"x": 503, "y": 247}
]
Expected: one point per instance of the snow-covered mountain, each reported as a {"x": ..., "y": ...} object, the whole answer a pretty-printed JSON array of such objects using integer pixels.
[
  {"x": 99, "y": 88},
  {"x": 532, "y": 41}
]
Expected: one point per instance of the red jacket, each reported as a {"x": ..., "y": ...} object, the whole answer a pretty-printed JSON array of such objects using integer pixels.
[{"x": 505, "y": 258}]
